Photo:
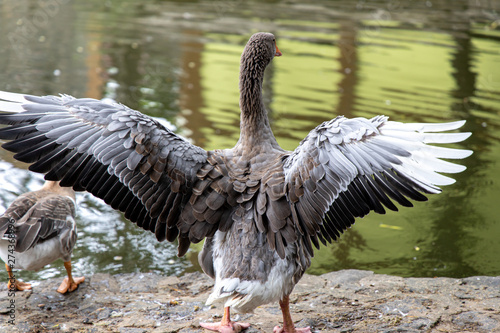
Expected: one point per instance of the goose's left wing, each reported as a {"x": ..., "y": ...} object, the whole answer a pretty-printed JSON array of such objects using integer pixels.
[{"x": 346, "y": 168}]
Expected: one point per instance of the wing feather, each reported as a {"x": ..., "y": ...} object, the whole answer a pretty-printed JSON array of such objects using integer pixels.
[
  {"x": 360, "y": 165},
  {"x": 38, "y": 218},
  {"x": 118, "y": 154}
]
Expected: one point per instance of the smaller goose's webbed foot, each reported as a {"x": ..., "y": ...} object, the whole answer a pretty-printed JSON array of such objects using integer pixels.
[
  {"x": 288, "y": 326},
  {"x": 226, "y": 325},
  {"x": 15, "y": 284},
  {"x": 20, "y": 285},
  {"x": 69, "y": 283}
]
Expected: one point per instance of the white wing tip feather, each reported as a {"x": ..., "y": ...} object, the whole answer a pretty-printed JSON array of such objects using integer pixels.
[
  {"x": 462, "y": 136},
  {"x": 453, "y": 125},
  {"x": 12, "y": 97},
  {"x": 458, "y": 168},
  {"x": 444, "y": 137},
  {"x": 465, "y": 153},
  {"x": 11, "y": 107},
  {"x": 425, "y": 127}
]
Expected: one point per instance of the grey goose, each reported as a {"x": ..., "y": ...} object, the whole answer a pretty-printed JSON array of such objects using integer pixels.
[
  {"x": 259, "y": 208},
  {"x": 37, "y": 229}
]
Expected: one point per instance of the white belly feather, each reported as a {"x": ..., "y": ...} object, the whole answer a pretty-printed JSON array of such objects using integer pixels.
[
  {"x": 35, "y": 258},
  {"x": 245, "y": 295}
]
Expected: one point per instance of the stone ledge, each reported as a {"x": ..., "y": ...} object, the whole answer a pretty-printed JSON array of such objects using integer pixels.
[{"x": 344, "y": 301}]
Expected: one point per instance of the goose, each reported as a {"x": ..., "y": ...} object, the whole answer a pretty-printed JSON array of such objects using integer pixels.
[
  {"x": 37, "y": 229},
  {"x": 259, "y": 208}
]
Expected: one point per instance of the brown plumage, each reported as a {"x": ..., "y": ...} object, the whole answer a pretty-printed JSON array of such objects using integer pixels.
[
  {"x": 37, "y": 229},
  {"x": 260, "y": 209}
]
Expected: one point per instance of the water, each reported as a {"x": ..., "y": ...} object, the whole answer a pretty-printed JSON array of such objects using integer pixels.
[{"x": 413, "y": 61}]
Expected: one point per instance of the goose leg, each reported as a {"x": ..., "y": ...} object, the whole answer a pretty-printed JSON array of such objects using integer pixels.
[
  {"x": 288, "y": 326},
  {"x": 226, "y": 325},
  {"x": 69, "y": 284},
  {"x": 15, "y": 283}
]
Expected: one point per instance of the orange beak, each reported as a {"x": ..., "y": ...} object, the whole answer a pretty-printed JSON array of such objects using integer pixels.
[{"x": 278, "y": 52}]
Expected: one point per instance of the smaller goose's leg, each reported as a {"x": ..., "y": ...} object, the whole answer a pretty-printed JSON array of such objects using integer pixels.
[
  {"x": 15, "y": 283},
  {"x": 69, "y": 284},
  {"x": 288, "y": 326},
  {"x": 226, "y": 325}
]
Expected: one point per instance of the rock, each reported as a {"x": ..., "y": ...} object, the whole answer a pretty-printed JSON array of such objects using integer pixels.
[
  {"x": 344, "y": 301},
  {"x": 348, "y": 277},
  {"x": 475, "y": 321},
  {"x": 104, "y": 282},
  {"x": 310, "y": 282},
  {"x": 137, "y": 282}
]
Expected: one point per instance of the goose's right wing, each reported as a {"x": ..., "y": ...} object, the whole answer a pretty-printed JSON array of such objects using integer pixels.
[{"x": 118, "y": 154}]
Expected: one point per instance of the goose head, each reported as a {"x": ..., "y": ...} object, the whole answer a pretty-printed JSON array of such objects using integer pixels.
[{"x": 258, "y": 53}]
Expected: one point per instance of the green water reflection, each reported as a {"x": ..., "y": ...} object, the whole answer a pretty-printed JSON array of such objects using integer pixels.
[{"x": 179, "y": 60}]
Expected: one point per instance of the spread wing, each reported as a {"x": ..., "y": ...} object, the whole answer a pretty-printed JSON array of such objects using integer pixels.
[
  {"x": 118, "y": 154},
  {"x": 346, "y": 168},
  {"x": 35, "y": 220}
]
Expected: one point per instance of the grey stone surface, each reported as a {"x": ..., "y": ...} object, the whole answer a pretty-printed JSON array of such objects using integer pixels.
[{"x": 344, "y": 301}]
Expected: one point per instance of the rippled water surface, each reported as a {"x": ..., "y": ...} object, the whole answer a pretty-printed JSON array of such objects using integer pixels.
[{"x": 413, "y": 61}]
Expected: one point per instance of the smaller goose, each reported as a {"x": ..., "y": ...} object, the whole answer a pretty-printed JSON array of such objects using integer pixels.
[{"x": 37, "y": 229}]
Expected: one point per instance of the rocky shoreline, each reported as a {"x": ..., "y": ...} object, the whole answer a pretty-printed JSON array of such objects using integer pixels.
[{"x": 344, "y": 301}]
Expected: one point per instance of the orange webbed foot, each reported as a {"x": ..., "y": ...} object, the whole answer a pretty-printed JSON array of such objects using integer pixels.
[
  {"x": 20, "y": 285},
  {"x": 232, "y": 327},
  {"x": 67, "y": 286},
  {"x": 278, "y": 329}
]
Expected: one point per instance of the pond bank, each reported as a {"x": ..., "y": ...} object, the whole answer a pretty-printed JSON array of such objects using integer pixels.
[{"x": 344, "y": 301}]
